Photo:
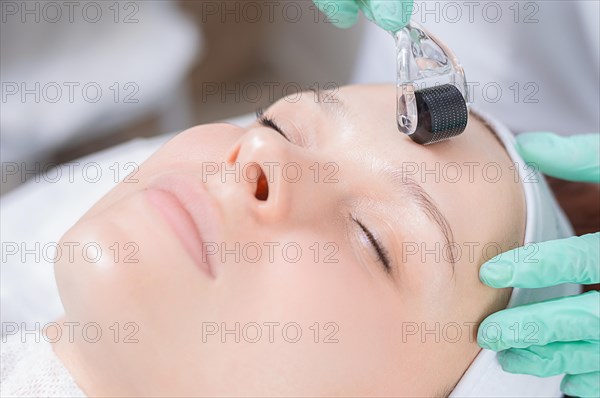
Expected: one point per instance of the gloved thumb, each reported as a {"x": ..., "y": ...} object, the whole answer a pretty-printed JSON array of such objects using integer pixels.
[
  {"x": 389, "y": 15},
  {"x": 574, "y": 158}
]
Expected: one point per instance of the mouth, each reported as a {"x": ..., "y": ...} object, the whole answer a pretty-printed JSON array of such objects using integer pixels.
[{"x": 189, "y": 210}]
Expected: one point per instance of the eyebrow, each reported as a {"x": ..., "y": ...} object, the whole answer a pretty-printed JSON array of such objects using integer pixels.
[
  {"x": 404, "y": 183},
  {"x": 419, "y": 196}
]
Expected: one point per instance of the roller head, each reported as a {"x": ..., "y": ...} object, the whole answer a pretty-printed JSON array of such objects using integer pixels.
[
  {"x": 442, "y": 114},
  {"x": 431, "y": 87}
]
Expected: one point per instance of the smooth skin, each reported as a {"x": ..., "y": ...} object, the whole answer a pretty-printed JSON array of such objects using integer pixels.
[
  {"x": 375, "y": 327},
  {"x": 568, "y": 329}
]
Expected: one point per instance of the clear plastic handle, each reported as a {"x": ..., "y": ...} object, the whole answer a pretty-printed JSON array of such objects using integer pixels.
[{"x": 424, "y": 62}]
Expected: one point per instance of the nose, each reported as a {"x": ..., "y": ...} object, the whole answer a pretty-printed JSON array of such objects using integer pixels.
[{"x": 261, "y": 159}]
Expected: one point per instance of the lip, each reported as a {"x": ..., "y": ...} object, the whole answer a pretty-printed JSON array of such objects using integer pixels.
[{"x": 191, "y": 212}]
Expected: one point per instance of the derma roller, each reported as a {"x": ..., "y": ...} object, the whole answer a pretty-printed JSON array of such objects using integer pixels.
[{"x": 432, "y": 91}]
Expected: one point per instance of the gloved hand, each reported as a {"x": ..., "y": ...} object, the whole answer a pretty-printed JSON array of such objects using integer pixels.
[
  {"x": 390, "y": 15},
  {"x": 561, "y": 335}
]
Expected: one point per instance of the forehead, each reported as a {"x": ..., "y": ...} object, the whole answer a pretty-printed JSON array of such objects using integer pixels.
[
  {"x": 354, "y": 123},
  {"x": 358, "y": 124},
  {"x": 360, "y": 133}
]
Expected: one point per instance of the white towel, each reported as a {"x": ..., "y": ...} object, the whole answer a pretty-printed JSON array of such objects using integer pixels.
[{"x": 29, "y": 368}]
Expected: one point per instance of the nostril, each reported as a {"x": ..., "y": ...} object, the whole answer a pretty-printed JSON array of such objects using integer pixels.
[
  {"x": 233, "y": 155},
  {"x": 262, "y": 187}
]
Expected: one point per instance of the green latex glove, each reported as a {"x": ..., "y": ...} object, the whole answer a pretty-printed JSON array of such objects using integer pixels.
[
  {"x": 390, "y": 15},
  {"x": 561, "y": 335}
]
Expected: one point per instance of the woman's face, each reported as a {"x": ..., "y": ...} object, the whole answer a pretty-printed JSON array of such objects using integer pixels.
[{"x": 246, "y": 264}]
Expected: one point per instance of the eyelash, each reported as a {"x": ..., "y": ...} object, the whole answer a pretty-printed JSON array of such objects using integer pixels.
[
  {"x": 382, "y": 253},
  {"x": 269, "y": 123}
]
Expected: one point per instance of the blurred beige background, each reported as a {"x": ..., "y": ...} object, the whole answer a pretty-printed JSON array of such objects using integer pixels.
[{"x": 230, "y": 48}]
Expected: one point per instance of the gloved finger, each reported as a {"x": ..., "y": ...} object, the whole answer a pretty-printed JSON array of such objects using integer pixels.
[
  {"x": 341, "y": 13},
  {"x": 564, "y": 319},
  {"x": 584, "y": 385},
  {"x": 575, "y": 260},
  {"x": 574, "y": 158},
  {"x": 553, "y": 359},
  {"x": 390, "y": 15}
]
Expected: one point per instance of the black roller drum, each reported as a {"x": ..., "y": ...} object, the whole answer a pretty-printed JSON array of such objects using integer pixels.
[{"x": 442, "y": 114}]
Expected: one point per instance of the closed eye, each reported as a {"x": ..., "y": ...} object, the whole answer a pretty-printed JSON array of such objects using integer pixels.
[
  {"x": 266, "y": 121},
  {"x": 382, "y": 253}
]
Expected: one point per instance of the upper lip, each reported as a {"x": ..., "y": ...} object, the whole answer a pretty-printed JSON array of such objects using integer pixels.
[{"x": 190, "y": 192}]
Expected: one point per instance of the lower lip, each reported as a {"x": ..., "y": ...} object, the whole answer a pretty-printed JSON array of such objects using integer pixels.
[{"x": 173, "y": 209}]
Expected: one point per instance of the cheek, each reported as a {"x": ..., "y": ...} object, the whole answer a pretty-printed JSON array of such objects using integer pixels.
[
  {"x": 324, "y": 299},
  {"x": 206, "y": 143},
  {"x": 192, "y": 151},
  {"x": 135, "y": 268}
]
